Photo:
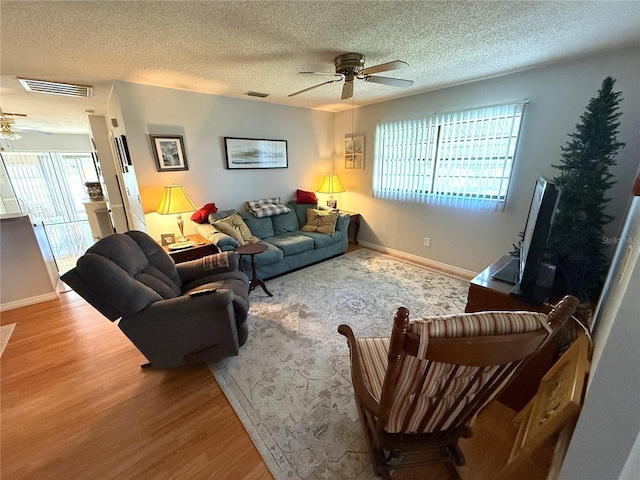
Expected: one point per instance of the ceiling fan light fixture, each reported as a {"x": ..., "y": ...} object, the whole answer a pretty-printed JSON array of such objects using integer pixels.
[
  {"x": 55, "y": 88},
  {"x": 7, "y": 133}
]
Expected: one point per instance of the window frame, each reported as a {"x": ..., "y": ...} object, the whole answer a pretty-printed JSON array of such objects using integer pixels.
[{"x": 410, "y": 156}]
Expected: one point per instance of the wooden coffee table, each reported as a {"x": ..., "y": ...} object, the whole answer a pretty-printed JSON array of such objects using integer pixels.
[{"x": 253, "y": 249}]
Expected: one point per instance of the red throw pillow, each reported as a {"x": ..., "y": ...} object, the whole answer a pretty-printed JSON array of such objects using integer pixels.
[
  {"x": 306, "y": 197},
  {"x": 202, "y": 215}
]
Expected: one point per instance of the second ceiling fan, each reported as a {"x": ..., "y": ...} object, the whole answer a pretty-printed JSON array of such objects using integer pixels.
[{"x": 350, "y": 66}]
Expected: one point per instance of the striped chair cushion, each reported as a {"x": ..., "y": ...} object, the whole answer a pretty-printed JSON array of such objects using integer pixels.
[
  {"x": 374, "y": 359},
  {"x": 373, "y": 352}
]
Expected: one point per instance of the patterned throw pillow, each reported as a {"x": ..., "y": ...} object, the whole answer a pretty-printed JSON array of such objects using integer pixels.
[
  {"x": 321, "y": 221},
  {"x": 235, "y": 227},
  {"x": 266, "y": 207}
]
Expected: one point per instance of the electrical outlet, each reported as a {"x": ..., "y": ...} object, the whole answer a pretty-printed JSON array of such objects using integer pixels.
[{"x": 427, "y": 242}]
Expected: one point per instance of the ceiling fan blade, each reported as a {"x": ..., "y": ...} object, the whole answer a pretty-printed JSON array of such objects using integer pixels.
[
  {"x": 384, "y": 67},
  {"x": 347, "y": 90},
  {"x": 20, "y": 128},
  {"x": 315, "y": 86},
  {"x": 321, "y": 73},
  {"x": 394, "y": 82}
]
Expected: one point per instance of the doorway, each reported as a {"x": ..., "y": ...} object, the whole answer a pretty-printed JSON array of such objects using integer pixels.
[{"x": 50, "y": 187}]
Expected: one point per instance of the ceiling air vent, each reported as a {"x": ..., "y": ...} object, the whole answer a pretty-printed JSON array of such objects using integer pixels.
[
  {"x": 258, "y": 94},
  {"x": 53, "y": 88}
]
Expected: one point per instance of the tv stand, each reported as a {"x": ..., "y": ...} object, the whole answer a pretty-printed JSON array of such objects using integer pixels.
[{"x": 487, "y": 293}]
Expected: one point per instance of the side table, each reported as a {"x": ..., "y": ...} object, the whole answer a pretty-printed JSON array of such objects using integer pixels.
[
  {"x": 355, "y": 220},
  {"x": 253, "y": 249},
  {"x": 202, "y": 248}
]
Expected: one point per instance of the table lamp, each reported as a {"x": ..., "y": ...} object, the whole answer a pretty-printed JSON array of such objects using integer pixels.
[
  {"x": 331, "y": 185},
  {"x": 176, "y": 201}
]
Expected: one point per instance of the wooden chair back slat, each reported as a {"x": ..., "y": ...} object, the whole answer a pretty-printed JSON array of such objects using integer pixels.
[
  {"x": 459, "y": 399},
  {"x": 488, "y": 390},
  {"x": 416, "y": 397},
  {"x": 438, "y": 398},
  {"x": 478, "y": 351}
]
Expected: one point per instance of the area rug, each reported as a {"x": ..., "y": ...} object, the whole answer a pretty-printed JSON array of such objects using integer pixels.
[
  {"x": 5, "y": 334},
  {"x": 290, "y": 384}
]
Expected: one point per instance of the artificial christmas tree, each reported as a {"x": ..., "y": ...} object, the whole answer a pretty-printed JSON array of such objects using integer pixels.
[{"x": 576, "y": 244}]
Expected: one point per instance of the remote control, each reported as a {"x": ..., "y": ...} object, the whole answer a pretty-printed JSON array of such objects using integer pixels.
[{"x": 205, "y": 291}]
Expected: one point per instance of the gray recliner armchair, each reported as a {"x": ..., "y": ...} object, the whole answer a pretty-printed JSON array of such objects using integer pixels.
[{"x": 128, "y": 276}]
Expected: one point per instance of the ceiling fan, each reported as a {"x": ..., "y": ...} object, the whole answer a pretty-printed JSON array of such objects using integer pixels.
[
  {"x": 8, "y": 128},
  {"x": 350, "y": 66}
]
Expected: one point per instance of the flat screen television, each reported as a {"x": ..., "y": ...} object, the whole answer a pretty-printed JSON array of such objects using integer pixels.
[{"x": 531, "y": 283}]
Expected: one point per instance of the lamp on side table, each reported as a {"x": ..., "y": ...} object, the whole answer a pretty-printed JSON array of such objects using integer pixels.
[
  {"x": 331, "y": 185},
  {"x": 175, "y": 201}
]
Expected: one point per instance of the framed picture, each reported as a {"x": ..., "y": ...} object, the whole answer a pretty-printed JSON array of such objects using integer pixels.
[
  {"x": 168, "y": 151},
  {"x": 167, "y": 239},
  {"x": 245, "y": 153},
  {"x": 354, "y": 151}
]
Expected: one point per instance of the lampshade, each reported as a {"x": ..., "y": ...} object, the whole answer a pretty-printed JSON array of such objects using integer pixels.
[
  {"x": 331, "y": 184},
  {"x": 175, "y": 200}
]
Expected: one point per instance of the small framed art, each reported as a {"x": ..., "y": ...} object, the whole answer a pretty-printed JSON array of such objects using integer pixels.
[
  {"x": 169, "y": 153},
  {"x": 167, "y": 239},
  {"x": 354, "y": 151},
  {"x": 244, "y": 153}
]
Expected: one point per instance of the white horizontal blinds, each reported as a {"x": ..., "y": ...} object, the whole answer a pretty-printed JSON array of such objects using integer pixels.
[
  {"x": 404, "y": 159},
  {"x": 461, "y": 158}
]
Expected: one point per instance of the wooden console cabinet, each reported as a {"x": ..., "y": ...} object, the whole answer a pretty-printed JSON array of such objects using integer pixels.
[{"x": 485, "y": 293}]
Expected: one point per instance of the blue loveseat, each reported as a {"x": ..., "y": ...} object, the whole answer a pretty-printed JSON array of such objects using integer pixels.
[{"x": 288, "y": 247}]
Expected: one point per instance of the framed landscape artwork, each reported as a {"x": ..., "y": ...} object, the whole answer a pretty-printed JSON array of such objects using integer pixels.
[
  {"x": 168, "y": 151},
  {"x": 354, "y": 151},
  {"x": 246, "y": 153}
]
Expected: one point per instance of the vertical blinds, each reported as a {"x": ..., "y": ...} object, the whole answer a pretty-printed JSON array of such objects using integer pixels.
[{"x": 462, "y": 158}]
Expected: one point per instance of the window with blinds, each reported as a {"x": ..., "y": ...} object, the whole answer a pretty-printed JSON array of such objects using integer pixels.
[{"x": 462, "y": 158}]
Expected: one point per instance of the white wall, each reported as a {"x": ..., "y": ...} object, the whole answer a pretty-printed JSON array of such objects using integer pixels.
[
  {"x": 203, "y": 121},
  {"x": 28, "y": 274},
  {"x": 558, "y": 95},
  {"x": 45, "y": 142}
]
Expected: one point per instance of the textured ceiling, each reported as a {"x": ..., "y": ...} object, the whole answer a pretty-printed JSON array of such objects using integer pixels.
[{"x": 230, "y": 48}]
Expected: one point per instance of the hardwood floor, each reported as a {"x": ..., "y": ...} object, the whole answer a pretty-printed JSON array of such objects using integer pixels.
[{"x": 76, "y": 405}]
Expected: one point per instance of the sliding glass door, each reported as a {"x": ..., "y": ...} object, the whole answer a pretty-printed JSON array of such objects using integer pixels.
[{"x": 50, "y": 187}]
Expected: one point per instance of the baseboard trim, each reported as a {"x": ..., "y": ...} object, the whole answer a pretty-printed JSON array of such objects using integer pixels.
[
  {"x": 424, "y": 262},
  {"x": 28, "y": 301}
]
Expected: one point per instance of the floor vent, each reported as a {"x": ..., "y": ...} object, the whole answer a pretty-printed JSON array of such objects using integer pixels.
[
  {"x": 258, "y": 94},
  {"x": 53, "y": 88}
]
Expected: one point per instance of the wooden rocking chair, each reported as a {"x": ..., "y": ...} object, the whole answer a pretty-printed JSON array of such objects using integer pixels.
[{"x": 419, "y": 391}]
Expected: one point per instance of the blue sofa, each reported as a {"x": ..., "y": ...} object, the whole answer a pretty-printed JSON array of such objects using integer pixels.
[{"x": 288, "y": 247}]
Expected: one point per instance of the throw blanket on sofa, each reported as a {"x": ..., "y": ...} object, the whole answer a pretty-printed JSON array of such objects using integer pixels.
[{"x": 266, "y": 207}]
